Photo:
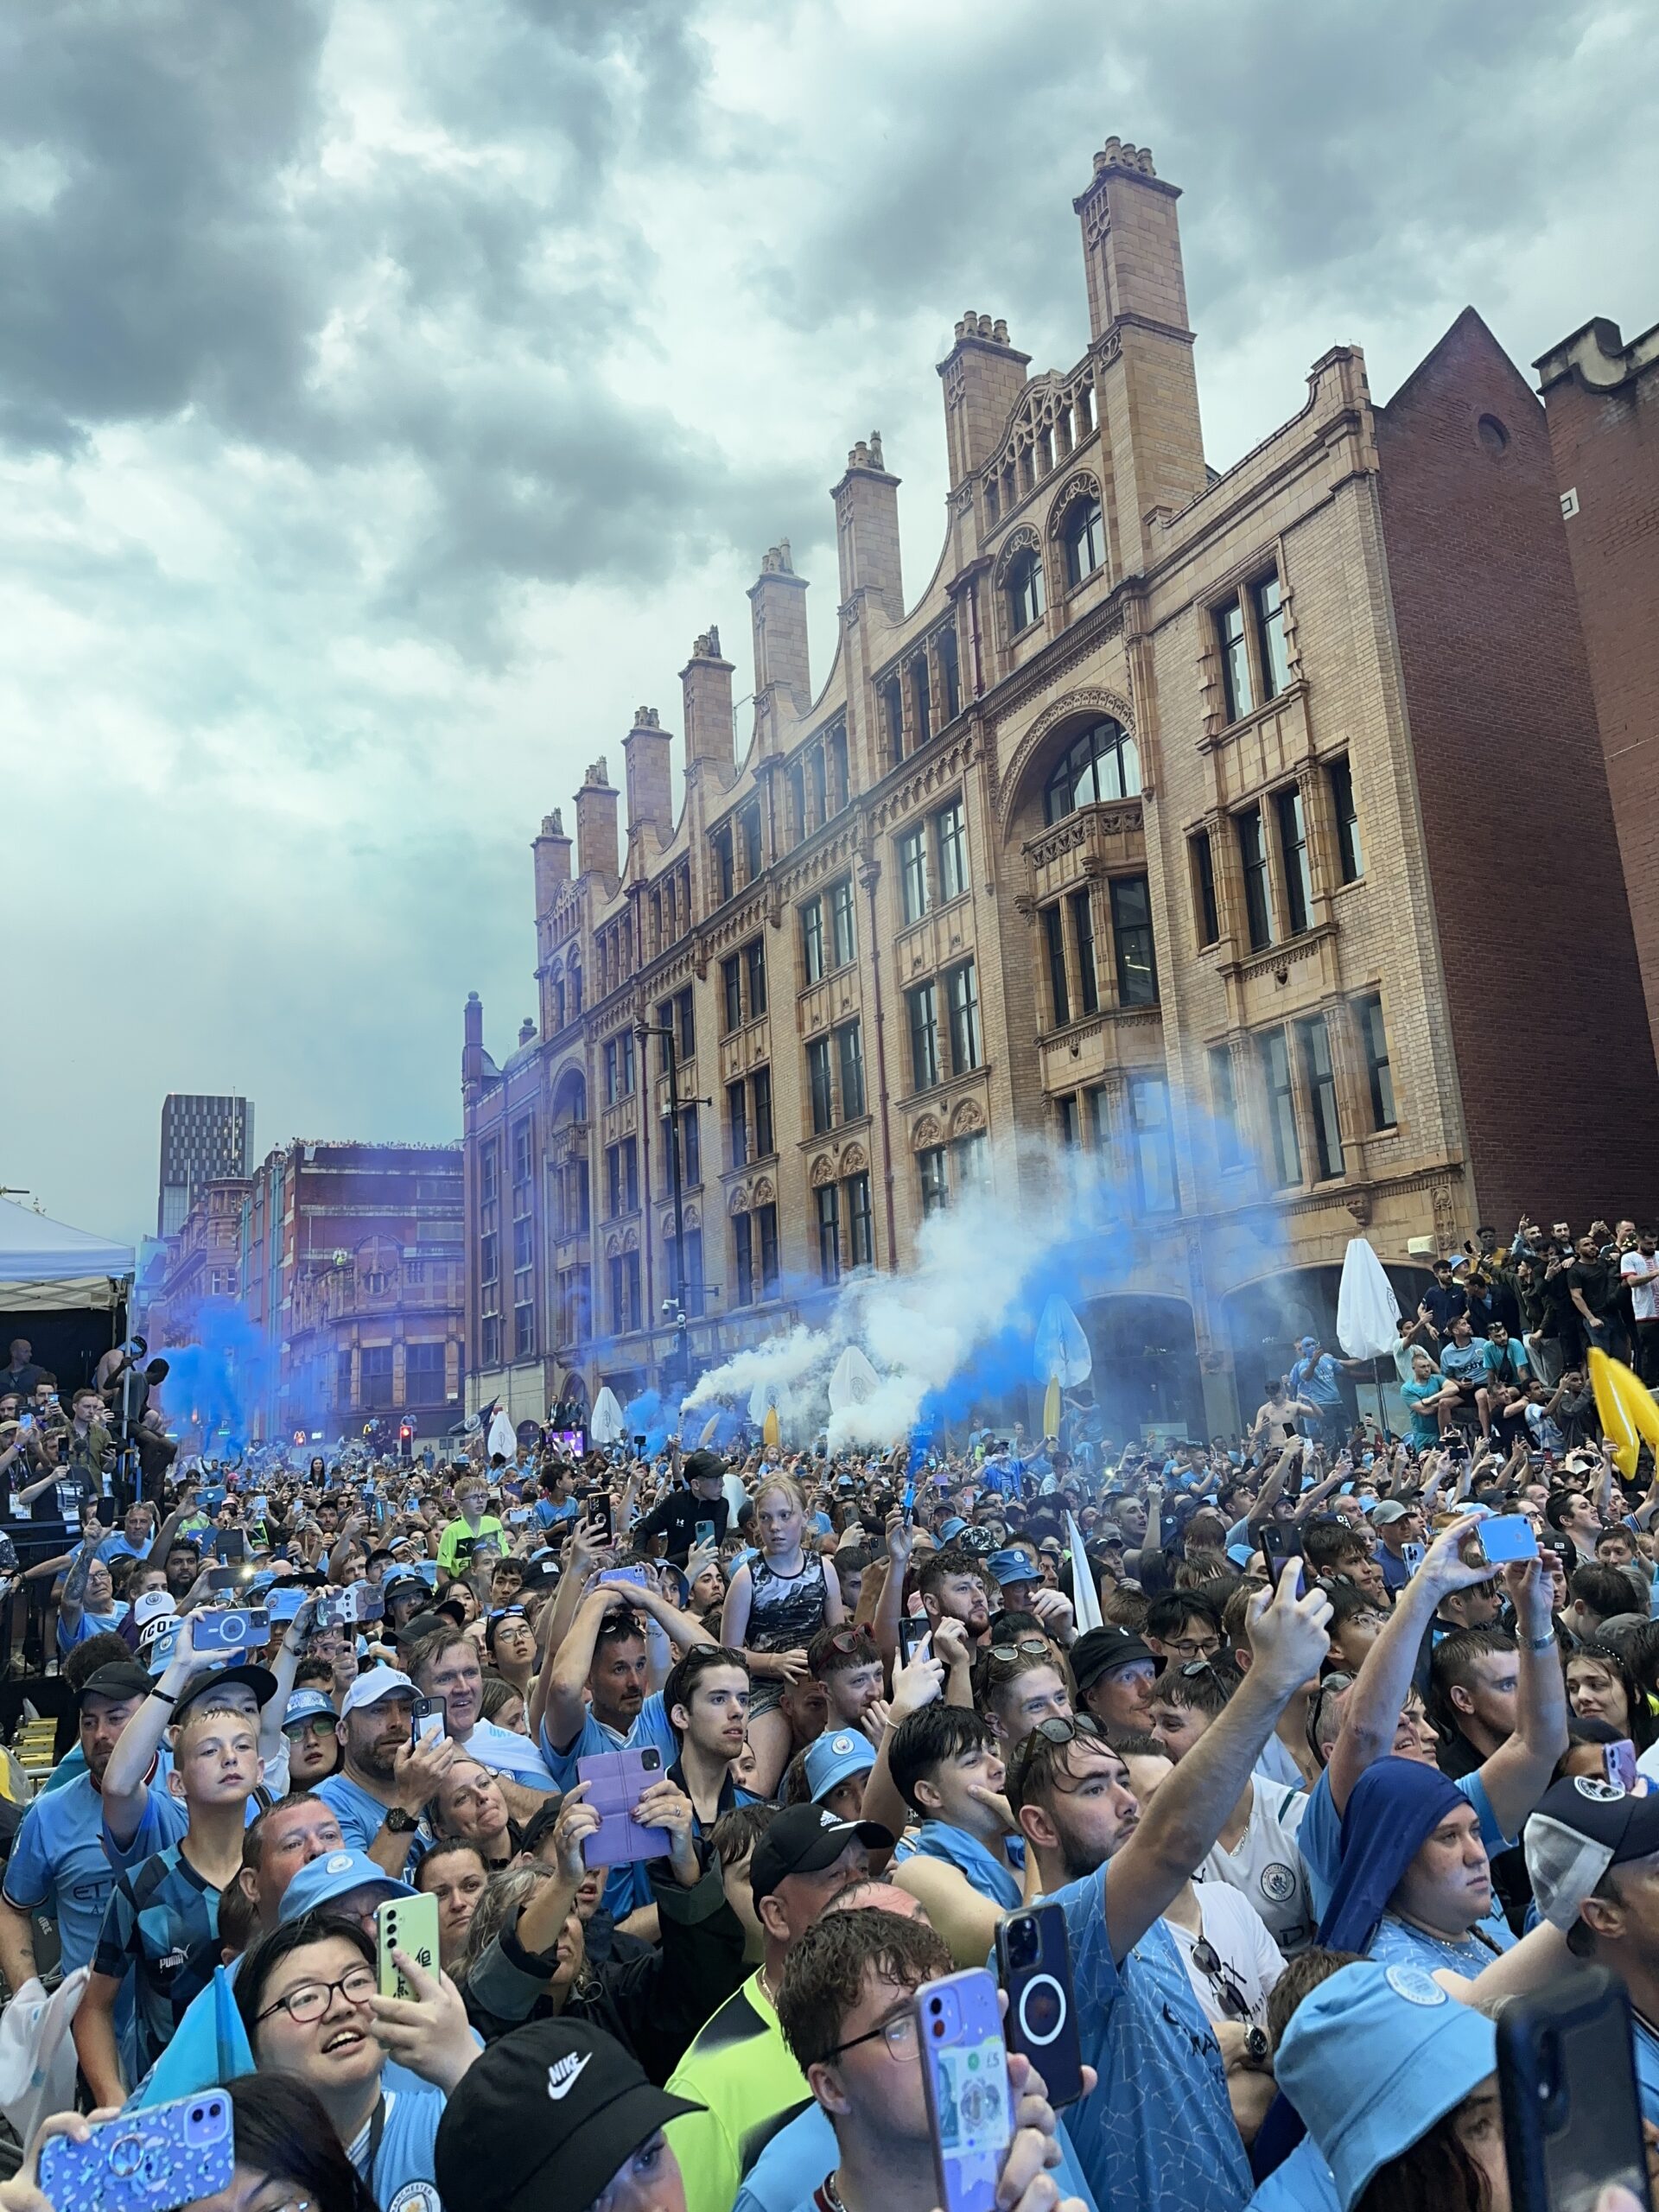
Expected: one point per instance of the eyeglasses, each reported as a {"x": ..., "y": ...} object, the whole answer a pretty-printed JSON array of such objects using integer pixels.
[
  {"x": 1231, "y": 1999},
  {"x": 898, "y": 2034},
  {"x": 314, "y": 1724},
  {"x": 1197, "y": 1647},
  {"x": 308, "y": 2001},
  {"x": 1028, "y": 1647}
]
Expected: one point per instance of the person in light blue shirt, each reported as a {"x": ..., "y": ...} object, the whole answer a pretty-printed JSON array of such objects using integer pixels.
[
  {"x": 86, "y": 1605},
  {"x": 1413, "y": 1886},
  {"x": 1157, "y": 2131},
  {"x": 962, "y": 1864},
  {"x": 132, "y": 1540}
]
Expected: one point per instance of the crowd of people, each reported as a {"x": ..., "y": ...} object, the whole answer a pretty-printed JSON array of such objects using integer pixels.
[{"x": 1316, "y": 1783}]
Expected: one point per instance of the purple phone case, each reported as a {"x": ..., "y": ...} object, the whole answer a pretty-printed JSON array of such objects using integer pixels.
[
  {"x": 616, "y": 1782},
  {"x": 149, "y": 2160},
  {"x": 965, "y": 2071}
]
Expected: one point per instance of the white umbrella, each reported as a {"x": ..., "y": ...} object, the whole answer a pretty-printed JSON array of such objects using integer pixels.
[
  {"x": 503, "y": 1441},
  {"x": 606, "y": 1424},
  {"x": 1368, "y": 1312},
  {"x": 1085, "y": 1590},
  {"x": 1061, "y": 1350}
]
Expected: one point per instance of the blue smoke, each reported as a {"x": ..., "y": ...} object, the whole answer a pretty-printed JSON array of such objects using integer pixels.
[{"x": 214, "y": 1387}]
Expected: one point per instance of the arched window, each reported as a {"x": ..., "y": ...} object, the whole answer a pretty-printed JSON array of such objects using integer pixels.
[
  {"x": 1084, "y": 533},
  {"x": 1023, "y": 585},
  {"x": 1101, "y": 764},
  {"x": 575, "y": 1006}
]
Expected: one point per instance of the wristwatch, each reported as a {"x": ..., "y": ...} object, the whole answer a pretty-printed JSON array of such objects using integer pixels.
[
  {"x": 400, "y": 1822},
  {"x": 1255, "y": 2046}
]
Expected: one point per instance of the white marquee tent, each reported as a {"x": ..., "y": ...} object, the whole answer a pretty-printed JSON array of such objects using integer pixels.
[{"x": 45, "y": 1265}]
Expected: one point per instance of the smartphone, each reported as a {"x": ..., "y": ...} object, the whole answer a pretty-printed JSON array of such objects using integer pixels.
[
  {"x": 1034, "y": 1963},
  {"x": 519, "y": 1514},
  {"x": 1619, "y": 1760},
  {"x": 409, "y": 1925},
  {"x": 617, "y": 1781},
  {"x": 1507, "y": 1536},
  {"x": 105, "y": 1508},
  {"x": 702, "y": 1533},
  {"x": 232, "y": 1543},
  {"x": 148, "y": 2160},
  {"x": 909, "y": 1506},
  {"x": 1566, "y": 2073},
  {"x": 221, "y": 1579},
  {"x": 232, "y": 1628},
  {"x": 1413, "y": 1556},
  {"x": 599, "y": 1509},
  {"x": 965, "y": 2076},
  {"x": 1280, "y": 1546},
  {"x": 428, "y": 1722},
  {"x": 914, "y": 1629},
  {"x": 638, "y": 1443},
  {"x": 634, "y": 1578}
]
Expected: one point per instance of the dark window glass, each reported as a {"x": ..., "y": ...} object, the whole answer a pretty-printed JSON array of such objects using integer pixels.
[
  {"x": 949, "y": 670},
  {"x": 1258, "y": 895},
  {"x": 828, "y": 1197},
  {"x": 820, "y": 781},
  {"x": 1083, "y": 930},
  {"x": 1229, "y": 1149},
  {"x": 1350, "y": 856},
  {"x": 819, "y": 1086},
  {"x": 1293, "y": 851},
  {"x": 742, "y": 1242},
  {"x": 913, "y": 874},
  {"x": 1234, "y": 660},
  {"x": 737, "y": 1123},
  {"x": 1023, "y": 590},
  {"x": 1154, "y": 1149},
  {"x": 849, "y": 1043},
  {"x": 1071, "y": 1125},
  {"x": 1281, "y": 1109},
  {"x": 836, "y": 748},
  {"x": 812, "y": 940},
  {"x": 1085, "y": 540},
  {"x": 962, "y": 991},
  {"x": 843, "y": 927},
  {"x": 924, "y": 1008},
  {"x": 798, "y": 800},
  {"x": 766, "y": 1225},
  {"x": 892, "y": 716},
  {"x": 725, "y": 866},
  {"x": 1268, "y": 602},
  {"x": 686, "y": 1003},
  {"x": 731, "y": 986},
  {"x": 1137, "y": 969},
  {"x": 1373, "y": 1040},
  {"x": 1204, "y": 889},
  {"x": 760, "y": 1099},
  {"x": 921, "y": 701},
  {"x": 1054, "y": 932},
  {"x": 951, "y": 850},
  {"x": 1104, "y": 763},
  {"x": 749, "y": 823},
  {"x": 754, "y": 978},
  {"x": 1322, "y": 1097},
  {"x": 935, "y": 1188},
  {"x": 861, "y": 1239}
]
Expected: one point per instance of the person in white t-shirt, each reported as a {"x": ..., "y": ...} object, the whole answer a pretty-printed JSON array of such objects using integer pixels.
[
  {"x": 1640, "y": 1270},
  {"x": 1255, "y": 1853}
]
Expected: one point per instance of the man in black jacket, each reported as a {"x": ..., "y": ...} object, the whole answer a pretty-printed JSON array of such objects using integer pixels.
[{"x": 703, "y": 1499}]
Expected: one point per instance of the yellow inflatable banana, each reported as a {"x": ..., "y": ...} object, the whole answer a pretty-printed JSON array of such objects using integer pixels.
[
  {"x": 772, "y": 1430},
  {"x": 1051, "y": 1407},
  {"x": 1626, "y": 1410}
]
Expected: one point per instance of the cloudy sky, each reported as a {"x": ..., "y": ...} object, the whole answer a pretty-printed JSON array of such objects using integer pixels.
[{"x": 390, "y": 390}]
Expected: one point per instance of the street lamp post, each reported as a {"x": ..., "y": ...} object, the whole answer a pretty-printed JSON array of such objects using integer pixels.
[{"x": 643, "y": 1030}]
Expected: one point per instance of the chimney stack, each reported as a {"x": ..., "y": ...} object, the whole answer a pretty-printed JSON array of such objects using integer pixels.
[
  {"x": 596, "y": 851},
  {"x": 472, "y": 1048},
  {"x": 984, "y": 377},
  {"x": 645, "y": 775},
  {"x": 706, "y": 682},
  {"x": 779, "y": 600},
  {"x": 866, "y": 530},
  {"x": 552, "y": 852}
]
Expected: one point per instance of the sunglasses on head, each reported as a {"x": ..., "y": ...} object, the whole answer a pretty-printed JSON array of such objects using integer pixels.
[{"x": 1028, "y": 1647}]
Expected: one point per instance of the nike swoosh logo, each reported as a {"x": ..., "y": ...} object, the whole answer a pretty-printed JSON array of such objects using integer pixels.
[{"x": 566, "y": 2082}]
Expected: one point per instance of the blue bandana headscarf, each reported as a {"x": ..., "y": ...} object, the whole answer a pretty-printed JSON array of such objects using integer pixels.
[{"x": 1396, "y": 1805}]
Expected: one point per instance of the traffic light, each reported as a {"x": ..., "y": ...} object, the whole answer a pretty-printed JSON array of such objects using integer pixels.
[{"x": 405, "y": 1440}]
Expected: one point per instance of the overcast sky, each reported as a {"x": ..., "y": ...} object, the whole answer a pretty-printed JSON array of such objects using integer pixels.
[{"x": 390, "y": 390}]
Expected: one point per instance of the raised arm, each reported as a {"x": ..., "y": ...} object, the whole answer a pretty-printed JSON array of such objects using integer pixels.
[
  {"x": 1268, "y": 1496},
  {"x": 72, "y": 1600},
  {"x": 570, "y": 1666},
  {"x": 1288, "y": 1640},
  {"x": 1518, "y": 1772},
  {"x": 126, "y": 1779}
]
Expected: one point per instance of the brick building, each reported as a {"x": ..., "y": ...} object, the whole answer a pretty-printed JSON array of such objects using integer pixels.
[
  {"x": 351, "y": 1265},
  {"x": 1601, "y": 401},
  {"x": 197, "y": 1268},
  {"x": 1227, "y": 827}
]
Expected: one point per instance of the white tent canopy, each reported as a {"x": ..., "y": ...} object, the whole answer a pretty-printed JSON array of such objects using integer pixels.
[{"x": 45, "y": 1265}]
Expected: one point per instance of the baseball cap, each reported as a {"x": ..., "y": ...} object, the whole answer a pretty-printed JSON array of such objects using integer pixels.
[
  {"x": 324, "y": 1881},
  {"x": 307, "y": 1705},
  {"x": 830, "y": 1759},
  {"x": 379, "y": 1683},
  {"x": 1424, "y": 2053},
  {"x": 703, "y": 1466},
  {"x": 1101, "y": 1649},
  {"x": 1584, "y": 1825},
  {"x": 804, "y": 1839},
  {"x": 259, "y": 1680},
  {"x": 120, "y": 1678},
  {"x": 953, "y": 1525},
  {"x": 1388, "y": 1511},
  {"x": 554, "y": 2096},
  {"x": 151, "y": 1603},
  {"x": 1013, "y": 1565},
  {"x": 422, "y": 1624}
]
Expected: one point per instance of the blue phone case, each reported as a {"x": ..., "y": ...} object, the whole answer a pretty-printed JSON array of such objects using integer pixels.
[
  {"x": 965, "y": 2072},
  {"x": 149, "y": 2160}
]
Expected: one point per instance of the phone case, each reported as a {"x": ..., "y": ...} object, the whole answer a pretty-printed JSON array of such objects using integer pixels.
[
  {"x": 617, "y": 1781},
  {"x": 1506, "y": 1537},
  {"x": 1566, "y": 2074},
  {"x": 428, "y": 1728},
  {"x": 149, "y": 2160},
  {"x": 233, "y": 1628},
  {"x": 965, "y": 2072},
  {"x": 1033, "y": 1960},
  {"x": 409, "y": 1925}
]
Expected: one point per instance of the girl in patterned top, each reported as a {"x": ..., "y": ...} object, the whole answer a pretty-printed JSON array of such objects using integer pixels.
[{"x": 774, "y": 1607}]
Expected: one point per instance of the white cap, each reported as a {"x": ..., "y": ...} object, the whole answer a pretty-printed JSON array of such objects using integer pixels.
[
  {"x": 151, "y": 1605},
  {"x": 377, "y": 1683}
]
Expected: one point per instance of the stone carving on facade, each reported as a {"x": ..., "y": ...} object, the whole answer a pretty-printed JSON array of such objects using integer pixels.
[
  {"x": 967, "y": 1118},
  {"x": 822, "y": 1171},
  {"x": 925, "y": 1135},
  {"x": 1083, "y": 486}
]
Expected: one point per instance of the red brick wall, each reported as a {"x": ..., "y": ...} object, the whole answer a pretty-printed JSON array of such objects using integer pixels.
[
  {"x": 1606, "y": 449},
  {"x": 1555, "y": 1053}
]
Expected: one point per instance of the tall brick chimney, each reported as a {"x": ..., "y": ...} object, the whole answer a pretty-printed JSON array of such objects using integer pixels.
[
  {"x": 1137, "y": 317},
  {"x": 596, "y": 851},
  {"x": 866, "y": 528},
  {"x": 645, "y": 775},
  {"x": 706, "y": 682},
  {"x": 552, "y": 852},
  {"x": 984, "y": 377},
  {"x": 472, "y": 1045},
  {"x": 777, "y": 599}
]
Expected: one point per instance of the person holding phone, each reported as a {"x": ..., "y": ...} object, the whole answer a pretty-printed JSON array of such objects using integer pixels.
[{"x": 693, "y": 1517}]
